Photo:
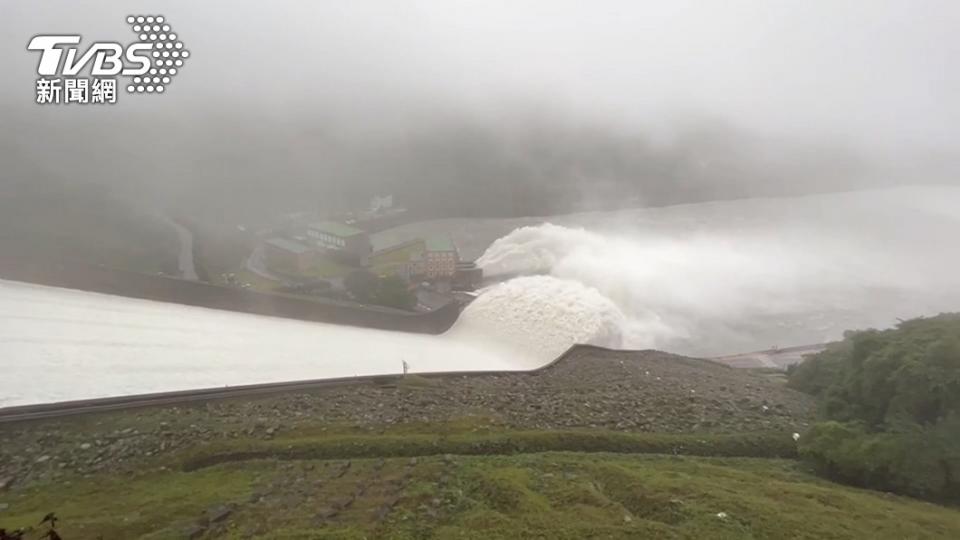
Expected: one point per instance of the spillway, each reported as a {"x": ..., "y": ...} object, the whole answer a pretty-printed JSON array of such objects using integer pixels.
[
  {"x": 701, "y": 279},
  {"x": 60, "y": 344}
]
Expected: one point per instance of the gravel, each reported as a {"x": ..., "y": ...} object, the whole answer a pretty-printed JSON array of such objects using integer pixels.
[{"x": 647, "y": 391}]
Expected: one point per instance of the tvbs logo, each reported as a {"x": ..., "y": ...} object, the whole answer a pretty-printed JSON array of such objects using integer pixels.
[
  {"x": 107, "y": 57},
  {"x": 150, "y": 63}
]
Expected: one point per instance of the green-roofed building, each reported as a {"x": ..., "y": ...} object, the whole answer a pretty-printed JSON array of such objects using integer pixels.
[
  {"x": 349, "y": 244},
  {"x": 335, "y": 228},
  {"x": 440, "y": 243},
  {"x": 288, "y": 245},
  {"x": 286, "y": 255}
]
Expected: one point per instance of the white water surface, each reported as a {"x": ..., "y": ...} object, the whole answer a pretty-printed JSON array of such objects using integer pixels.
[
  {"x": 701, "y": 279},
  {"x": 60, "y": 344}
]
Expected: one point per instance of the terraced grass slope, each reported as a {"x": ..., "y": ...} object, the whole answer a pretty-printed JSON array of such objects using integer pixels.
[
  {"x": 592, "y": 388},
  {"x": 574, "y": 495},
  {"x": 604, "y": 444}
]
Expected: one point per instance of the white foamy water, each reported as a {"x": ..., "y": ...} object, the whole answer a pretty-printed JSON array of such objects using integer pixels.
[
  {"x": 59, "y": 344},
  {"x": 534, "y": 319},
  {"x": 703, "y": 279},
  {"x": 723, "y": 277}
]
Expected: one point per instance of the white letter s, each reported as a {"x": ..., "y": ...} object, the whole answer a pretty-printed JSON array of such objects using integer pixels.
[{"x": 142, "y": 59}]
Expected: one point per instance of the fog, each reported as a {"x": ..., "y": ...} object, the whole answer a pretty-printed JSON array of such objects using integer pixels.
[
  {"x": 518, "y": 114},
  {"x": 498, "y": 108}
]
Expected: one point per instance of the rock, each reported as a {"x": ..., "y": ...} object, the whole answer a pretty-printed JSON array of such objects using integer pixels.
[
  {"x": 342, "y": 470},
  {"x": 327, "y": 512},
  {"x": 6, "y": 482},
  {"x": 344, "y": 503},
  {"x": 43, "y": 459},
  {"x": 219, "y": 514},
  {"x": 382, "y": 512},
  {"x": 195, "y": 531}
]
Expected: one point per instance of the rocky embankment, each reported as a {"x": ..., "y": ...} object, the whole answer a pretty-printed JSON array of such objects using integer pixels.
[{"x": 590, "y": 388}]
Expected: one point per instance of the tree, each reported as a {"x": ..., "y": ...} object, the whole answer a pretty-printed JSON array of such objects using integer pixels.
[
  {"x": 362, "y": 285},
  {"x": 890, "y": 401},
  {"x": 393, "y": 292},
  {"x": 390, "y": 291}
]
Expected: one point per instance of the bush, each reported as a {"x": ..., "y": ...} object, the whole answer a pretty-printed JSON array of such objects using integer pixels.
[
  {"x": 390, "y": 291},
  {"x": 819, "y": 371},
  {"x": 921, "y": 462},
  {"x": 362, "y": 285},
  {"x": 767, "y": 445},
  {"x": 393, "y": 292},
  {"x": 891, "y": 404}
]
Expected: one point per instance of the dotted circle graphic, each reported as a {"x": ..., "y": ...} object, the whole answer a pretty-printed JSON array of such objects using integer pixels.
[{"x": 167, "y": 52}]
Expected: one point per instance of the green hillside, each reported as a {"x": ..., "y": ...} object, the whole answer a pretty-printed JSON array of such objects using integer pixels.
[{"x": 275, "y": 489}]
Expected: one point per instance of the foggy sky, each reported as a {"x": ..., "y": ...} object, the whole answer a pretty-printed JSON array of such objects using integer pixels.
[{"x": 372, "y": 95}]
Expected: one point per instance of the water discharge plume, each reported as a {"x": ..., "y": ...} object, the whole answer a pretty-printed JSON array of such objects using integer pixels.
[
  {"x": 539, "y": 317},
  {"x": 664, "y": 290},
  {"x": 531, "y": 250},
  {"x": 736, "y": 276}
]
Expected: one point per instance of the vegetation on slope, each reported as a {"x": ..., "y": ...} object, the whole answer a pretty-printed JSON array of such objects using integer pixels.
[
  {"x": 326, "y": 486},
  {"x": 890, "y": 404},
  {"x": 601, "y": 445},
  {"x": 369, "y": 288}
]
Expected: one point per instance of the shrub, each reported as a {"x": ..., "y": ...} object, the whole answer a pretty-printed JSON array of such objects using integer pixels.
[
  {"x": 361, "y": 284},
  {"x": 393, "y": 292},
  {"x": 768, "y": 445},
  {"x": 891, "y": 404},
  {"x": 922, "y": 462},
  {"x": 390, "y": 291}
]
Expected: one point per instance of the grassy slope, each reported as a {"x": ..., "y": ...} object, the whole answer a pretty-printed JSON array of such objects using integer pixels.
[{"x": 294, "y": 482}]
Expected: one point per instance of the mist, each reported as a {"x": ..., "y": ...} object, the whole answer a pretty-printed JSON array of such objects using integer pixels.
[
  {"x": 506, "y": 115},
  {"x": 497, "y": 109},
  {"x": 726, "y": 277}
]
